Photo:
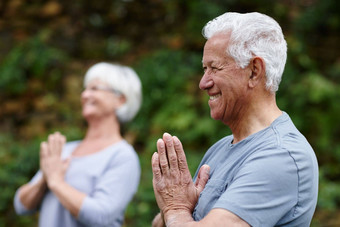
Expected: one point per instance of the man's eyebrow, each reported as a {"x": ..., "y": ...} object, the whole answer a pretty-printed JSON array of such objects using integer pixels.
[
  {"x": 212, "y": 63},
  {"x": 208, "y": 62}
]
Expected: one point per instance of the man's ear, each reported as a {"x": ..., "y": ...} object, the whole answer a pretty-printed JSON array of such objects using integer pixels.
[{"x": 258, "y": 71}]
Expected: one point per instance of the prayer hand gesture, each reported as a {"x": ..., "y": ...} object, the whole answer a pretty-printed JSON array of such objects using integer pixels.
[
  {"x": 51, "y": 164},
  {"x": 173, "y": 186}
]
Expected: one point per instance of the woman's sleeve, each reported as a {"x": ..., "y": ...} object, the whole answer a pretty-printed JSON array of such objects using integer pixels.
[{"x": 113, "y": 192}]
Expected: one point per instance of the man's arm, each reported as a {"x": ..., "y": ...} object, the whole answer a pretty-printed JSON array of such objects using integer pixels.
[
  {"x": 216, "y": 217},
  {"x": 175, "y": 192}
]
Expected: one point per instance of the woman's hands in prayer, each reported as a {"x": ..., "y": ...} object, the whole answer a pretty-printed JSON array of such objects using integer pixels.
[
  {"x": 175, "y": 192},
  {"x": 51, "y": 164}
]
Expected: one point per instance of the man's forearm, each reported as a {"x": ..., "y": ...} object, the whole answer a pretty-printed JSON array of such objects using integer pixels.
[{"x": 179, "y": 219}]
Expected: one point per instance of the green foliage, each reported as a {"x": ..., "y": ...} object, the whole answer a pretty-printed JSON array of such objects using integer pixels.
[
  {"x": 165, "y": 45},
  {"x": 28, "y": 60},
  {"x": 200, "y": 13},
  {"x": 20, "y": 162},
  {"x": 329, "y": 197}
]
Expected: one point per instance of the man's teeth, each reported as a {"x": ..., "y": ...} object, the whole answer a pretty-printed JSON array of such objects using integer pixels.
[{"x": 214, "y": 97}]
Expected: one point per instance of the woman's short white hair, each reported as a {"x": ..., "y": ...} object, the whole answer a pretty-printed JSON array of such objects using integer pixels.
[
  {"x": 253, "y": 34},
  {"x": 122, "y": 79}
]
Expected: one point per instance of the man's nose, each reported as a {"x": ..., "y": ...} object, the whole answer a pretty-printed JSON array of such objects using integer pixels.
[{"x": 206, "y": 81}]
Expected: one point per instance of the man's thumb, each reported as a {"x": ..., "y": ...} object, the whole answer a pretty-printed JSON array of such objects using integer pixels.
[{"x": 202, "y": 178}]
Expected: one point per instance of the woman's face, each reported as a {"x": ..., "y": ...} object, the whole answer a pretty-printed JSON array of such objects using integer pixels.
[{"x": 99, "y": 101}]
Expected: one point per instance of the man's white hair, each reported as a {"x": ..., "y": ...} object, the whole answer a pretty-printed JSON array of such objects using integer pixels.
[{"x": 253, "y": 34}]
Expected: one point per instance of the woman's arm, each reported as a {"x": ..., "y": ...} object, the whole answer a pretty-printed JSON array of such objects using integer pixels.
[
  {"x": 68, "y": 196},
  {"x": 31, "y": 194}
]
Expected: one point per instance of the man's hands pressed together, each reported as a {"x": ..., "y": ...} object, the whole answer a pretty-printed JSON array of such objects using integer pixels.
[{"x": 175, "y": 192}]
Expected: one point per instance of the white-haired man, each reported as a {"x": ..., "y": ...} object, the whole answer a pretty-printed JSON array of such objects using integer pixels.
[{"x": 265, "y": 173}]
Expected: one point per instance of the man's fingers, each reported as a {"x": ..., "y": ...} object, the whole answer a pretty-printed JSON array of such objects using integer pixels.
[
  {"x": 171, "y": 153},
  {"x": 182, "y": 161},
  {"x": 202, "y": 178},
  {"x": 157, "y": 175},
  {"x": 162, "y": 156}
]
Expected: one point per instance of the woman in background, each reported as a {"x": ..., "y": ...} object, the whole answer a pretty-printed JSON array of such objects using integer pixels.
[{"x": 89, "y": 182}]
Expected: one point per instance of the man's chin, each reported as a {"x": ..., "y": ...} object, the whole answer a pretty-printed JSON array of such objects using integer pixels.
[{"x": 215, "y": 116}]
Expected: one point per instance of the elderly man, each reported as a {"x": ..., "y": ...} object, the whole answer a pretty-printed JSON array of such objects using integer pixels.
[{"x": 265, "y": 173}]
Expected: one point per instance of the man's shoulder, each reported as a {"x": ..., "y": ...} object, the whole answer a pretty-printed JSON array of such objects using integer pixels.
[{"x": 289, "y": 137}]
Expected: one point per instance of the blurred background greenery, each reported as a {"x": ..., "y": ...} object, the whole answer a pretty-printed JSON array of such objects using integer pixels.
[{"x": 47, "y": 46}]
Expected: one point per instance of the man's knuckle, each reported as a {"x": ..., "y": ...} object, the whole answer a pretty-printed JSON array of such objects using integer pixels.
[
  {"x": 163, "y": 164},
  {"x": 173, "y": 159},
  {"x": 181, "y": 162},
  {"x": 178, "y": 146}
]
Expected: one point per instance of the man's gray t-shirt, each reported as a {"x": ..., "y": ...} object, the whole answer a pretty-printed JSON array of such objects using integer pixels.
[{"x": 268, "y": 179}]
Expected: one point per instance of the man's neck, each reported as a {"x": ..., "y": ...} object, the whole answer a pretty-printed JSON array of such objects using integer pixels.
[{"x": 255, "y": 118}]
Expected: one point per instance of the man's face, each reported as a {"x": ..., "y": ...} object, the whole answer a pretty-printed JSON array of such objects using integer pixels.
[{"x": 225, "y": 82}]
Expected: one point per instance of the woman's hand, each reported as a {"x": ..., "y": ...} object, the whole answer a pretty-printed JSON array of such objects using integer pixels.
[
  {"x": 54, "y": 169},
  {"x": 51, "y": 164}
]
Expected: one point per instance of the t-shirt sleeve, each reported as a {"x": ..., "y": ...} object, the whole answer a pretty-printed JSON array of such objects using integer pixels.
[
  {"x": 112, "y": 193},
  {"x": 264, "y": 188}
]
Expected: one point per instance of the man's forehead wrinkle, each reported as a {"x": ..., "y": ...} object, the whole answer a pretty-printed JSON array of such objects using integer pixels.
[{"x": 209, "y": 62}]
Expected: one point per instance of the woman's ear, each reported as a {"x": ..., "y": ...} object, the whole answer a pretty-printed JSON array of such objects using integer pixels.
[
  {"x": 121, "y": 100},
  {"x": 258, "y": 71}
]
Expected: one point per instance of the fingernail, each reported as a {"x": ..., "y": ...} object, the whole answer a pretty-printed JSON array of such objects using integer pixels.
[
  {"x": 176, "y": 140},
  {"x": 166, "y": 134},
  {"x": 167, "y": 138},
  {"x": 160, "y": 143}
]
